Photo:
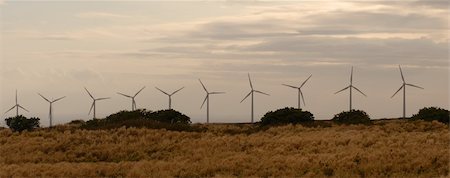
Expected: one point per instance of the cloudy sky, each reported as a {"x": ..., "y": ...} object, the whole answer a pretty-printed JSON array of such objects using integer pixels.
[{"x": 57, "y": 48}]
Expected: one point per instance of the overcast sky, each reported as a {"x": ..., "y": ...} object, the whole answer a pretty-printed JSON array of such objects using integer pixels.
[{"x": 57, "y": 48}]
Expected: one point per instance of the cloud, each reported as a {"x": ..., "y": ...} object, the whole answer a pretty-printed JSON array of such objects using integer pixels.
[
  {"x": 101, "y": 15},
  {"x": 58, "y": 37}
]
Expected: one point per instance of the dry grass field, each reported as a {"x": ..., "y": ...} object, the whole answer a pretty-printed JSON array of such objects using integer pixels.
[{"x": 385, "y": 149}]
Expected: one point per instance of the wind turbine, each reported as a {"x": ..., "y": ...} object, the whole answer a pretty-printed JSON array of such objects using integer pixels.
[
  {"x": 404, "y": 91},
  {"x": 252, "y": 91},
  {"x": 17, "y": 106},
  {"x": 169, "y": 95},
  {"x": 94, "y": 101},
  {"x": 300, "y": 93},
  {"x": 351, "y": 87},
  {"x": 50, "y": 115},
  {"x": 207, "y": 100},
  {"x": 133, "y": 102}
]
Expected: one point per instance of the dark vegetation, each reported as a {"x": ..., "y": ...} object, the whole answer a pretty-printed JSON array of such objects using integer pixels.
[
  {"x": 21, "y": 123},
  {"x": 164, "y": 119},
  {"x": 431, "y": 114},
  {"x": 176, "y": 121},
  {"x": 286, "y": 116},
  {"x": 352, "y": 117}
]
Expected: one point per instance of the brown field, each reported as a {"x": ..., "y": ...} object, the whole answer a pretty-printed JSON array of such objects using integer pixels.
[{"x": 385, "y": 149}]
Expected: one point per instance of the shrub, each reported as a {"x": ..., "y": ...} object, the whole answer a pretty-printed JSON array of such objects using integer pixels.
[
  {"x": 169, "y": 116},
  {"x": 352, "y": 117},
  {"x": 165, "y": 119},
  {"x": 77, "y": 122},
  {"x": 286, "y": 116},
  {"x": 21, "y": 123},
  {"x": 127, "y": 115},
  {"x": 432, "y": 113}
]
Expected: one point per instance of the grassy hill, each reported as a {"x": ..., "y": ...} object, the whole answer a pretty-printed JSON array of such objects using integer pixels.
[{"x": 395, "y": 148}]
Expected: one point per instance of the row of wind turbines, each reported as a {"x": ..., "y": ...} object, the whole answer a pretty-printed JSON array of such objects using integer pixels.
[{"x": 252, "y": 92}]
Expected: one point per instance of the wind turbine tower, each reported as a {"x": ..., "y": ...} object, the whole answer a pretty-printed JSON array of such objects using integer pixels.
[
  {"x": 17, "y": 106},
  {"x": 50, "y": 114},
  {"x": 300, "y": 93},
  {"x": 169, "y": 95},
  {"x": 207, "y": 99},
  {"x": 404, "y": 91},
  {"x": 94, "y": 100},
  {"x": 133, "y": 102},
  {"x": 252, "y": 91},
  {"x": 350, "y": 87}
]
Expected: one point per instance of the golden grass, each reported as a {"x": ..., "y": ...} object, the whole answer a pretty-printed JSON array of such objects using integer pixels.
[{"x": 385, "y": 149}]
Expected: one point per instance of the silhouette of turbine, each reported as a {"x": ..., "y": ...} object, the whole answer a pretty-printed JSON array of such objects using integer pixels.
[
  {"x": 300, "y": 93},
  {"x": 252, "y": 91},
  {"x": 133, "y": 102},
  {"x": 404, "y": 91},
  {"x": 351, "y": 87},
  {"x": 207, "y": 99},
  {"x": 169, "y": 95},
  {"x": 17, "y": 106},
  {"x": 50, "y": 113},
  {"x": 94, "y": 100}
]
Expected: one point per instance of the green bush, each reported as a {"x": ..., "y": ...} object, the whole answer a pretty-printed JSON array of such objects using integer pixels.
[
  {"x": 77, "y": 122},
  {"x": 169, "y": 116},
  {"x": 432, "y": 113},
  {"x": 352, "y": 117},
  {"x": 21, "y": 123},
  {"x": 164, "y": 119},
  {"x": 127, "y": 115},
  {"x": 286, "y": 116}
]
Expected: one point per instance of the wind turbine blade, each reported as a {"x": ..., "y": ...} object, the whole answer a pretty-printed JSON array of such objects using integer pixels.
[
  {"x": 44, "y": 98},
  {"x": 216, "y": 93},
  {"x": 342, "y": 90},
  {"x": 22, "y": 108},
  {"x": 139, "y": 91},
  {"x": 290, "y": 86},
  {"x": 207, "y": 95},
  {"x": 261, "y": 92},
  {"x": 92, "y": 106},
  {"x": 177, "y": 90},
  {"x": 303, "y": 98},
  {"x": 305, "y": 81},
  {"x": 89, "y": 93},
  {"x": 98, "y": 99},
  {"x": 58, "y": 99},
  {"x": 124, "y": 95},
  {"x": 414, "y": 86},
  {"x": 203, "y": 85},
  {"x": 250, "y": 81},
  {"x": 162, "y": 91},
  {"x": 351, "y": 76},
  {"x": 401, "y": 73},
  {"x": 397, "y": 91},
  {"x": 247, "y": 96},
  {"x": 10, "y": 109},
  {"x": 359, "y": 90}
]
